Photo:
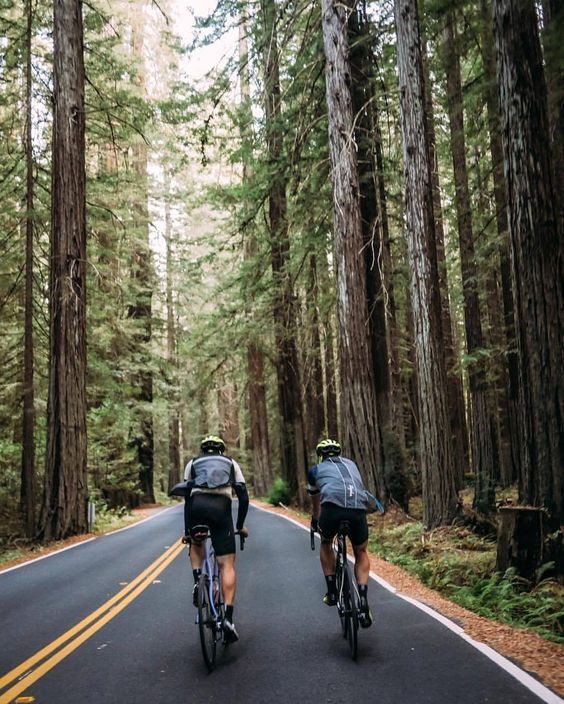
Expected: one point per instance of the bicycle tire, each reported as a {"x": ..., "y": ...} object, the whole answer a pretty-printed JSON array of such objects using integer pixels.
[
  {"x": 352, "y": 618},
  {"x": 206, "y": 623},
  {"x": 340, "y": 578}
]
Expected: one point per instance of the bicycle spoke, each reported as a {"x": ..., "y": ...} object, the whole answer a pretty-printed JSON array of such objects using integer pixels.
[{"x": 206, "y": 623}]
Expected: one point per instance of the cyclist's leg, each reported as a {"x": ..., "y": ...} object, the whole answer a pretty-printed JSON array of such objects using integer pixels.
[
  {"x": 362, "y": 563},
  {"x": 223, "y": 539},
  {"x": 196, "y": 516},
  {"x": 359, "y": 539},
  {"x": 228, "y": 577},
  {"x": 328, "y": 526}
]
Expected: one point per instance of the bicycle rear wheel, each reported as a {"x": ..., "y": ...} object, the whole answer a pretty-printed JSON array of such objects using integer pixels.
[
  {"x": 206, "y": 623},
  {"x": 340, "y": 587},
  {"x": 352, "y": 618}
]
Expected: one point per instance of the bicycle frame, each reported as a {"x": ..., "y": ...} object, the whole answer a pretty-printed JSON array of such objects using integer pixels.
[
  {"x": 347, "y": 589},
  {"x": 209, "y": 616}
]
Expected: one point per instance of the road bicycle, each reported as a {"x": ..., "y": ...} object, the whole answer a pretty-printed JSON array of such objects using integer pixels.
[
  {"x": 347, "y": 590},
  {"x": 209, "y": 597}
]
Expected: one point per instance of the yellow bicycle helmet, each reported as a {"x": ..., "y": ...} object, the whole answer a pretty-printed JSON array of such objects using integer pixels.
[
  {"x": 327, "y": 448},
  {"x": 212, "y": 443}
]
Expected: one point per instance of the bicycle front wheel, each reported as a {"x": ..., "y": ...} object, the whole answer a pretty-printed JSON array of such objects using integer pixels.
[{"x": 206, "y": 623}]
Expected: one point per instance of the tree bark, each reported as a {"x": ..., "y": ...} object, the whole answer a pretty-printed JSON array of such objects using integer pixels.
[
  {"x": 173, "y": 414},
  {"x": 259, "y": 436},
  {"x": 359, "y": 417},
  {"x": 141, "y": 309},
  {"x": 510, "y": 422},
  {"x": 65, "y": 504},
  {"x": 439, "y": 493},
  {"x": 537, "y": 253},
  {"x": 292, "y": 436},
  {"x": 456, "y": 413},
  {"x": 27, "y": 494},
  {"x": 553, "y": 20},
  {"x": 482, "y": 447},
  {"x": 314, "y": 384}
]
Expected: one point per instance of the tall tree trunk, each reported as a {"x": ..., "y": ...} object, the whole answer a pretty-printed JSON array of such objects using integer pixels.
[
  {"x": 366, "y": 137},
  {"x": 173, "y": 415},
  {"x": 396, "y": 413},
  {"x": 330, "y": 366},
  {"x": 439, "y": 492},
  {"x": 553, "y": 20},
  {"x": 141, "y": 309},
  {"x": 456, "y": 412},
  {"x": 27, "y": 496},
  {"x": 537, "y": 256},
  {"x": 482, "y": 447},
  {"x": 65, "y": 505},
  {"x": 359, "y": 417},
  {"x": 228, "y": 407},
  {"x": 314, "y": 386},
  {"x": 259, "y": 436},
  {"x": 510, "y": 424},
  {"x": 294, "y": 457}
]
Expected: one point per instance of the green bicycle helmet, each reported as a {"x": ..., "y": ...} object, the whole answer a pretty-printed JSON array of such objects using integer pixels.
[
  {"x": 212, "y": 443},
  {"x": 328, "y": 448}
]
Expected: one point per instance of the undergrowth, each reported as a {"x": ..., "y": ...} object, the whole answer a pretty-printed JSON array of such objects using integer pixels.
[{"x": 461, "y": 566}]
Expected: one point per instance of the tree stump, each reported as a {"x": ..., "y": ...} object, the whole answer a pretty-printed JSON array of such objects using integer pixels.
[{"x": 520, "y": 540}]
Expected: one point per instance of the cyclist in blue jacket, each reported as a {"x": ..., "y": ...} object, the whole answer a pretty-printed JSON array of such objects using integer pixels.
[
  {"x": 210, "y": 478},
  {"x": 338, "y": 494}
]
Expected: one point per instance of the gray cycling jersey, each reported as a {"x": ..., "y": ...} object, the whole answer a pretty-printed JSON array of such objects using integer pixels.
[
  {"x": 212, "y": 471},
  {"x": 338, "y": 481}
]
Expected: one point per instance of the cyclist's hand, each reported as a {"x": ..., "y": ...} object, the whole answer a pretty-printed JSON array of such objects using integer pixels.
[
  {"x": 186, "y": 540},
  {"x": 314, "y": 524},
  {"x": 244, "y": 532}
]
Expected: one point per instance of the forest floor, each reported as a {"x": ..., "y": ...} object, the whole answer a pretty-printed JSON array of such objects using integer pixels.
[{"x": 541, "y": 658}]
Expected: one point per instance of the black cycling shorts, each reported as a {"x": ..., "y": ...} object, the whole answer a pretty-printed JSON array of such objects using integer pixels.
[
  {"x": 213, "y": 510},
  {"x": 331, "y": 516}
]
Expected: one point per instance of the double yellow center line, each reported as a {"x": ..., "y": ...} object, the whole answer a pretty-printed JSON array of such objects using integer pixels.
[{"x": 28, "y": 672}]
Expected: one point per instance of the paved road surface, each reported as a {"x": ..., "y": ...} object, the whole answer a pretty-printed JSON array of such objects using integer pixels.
[{"x": 291, "y": 649}]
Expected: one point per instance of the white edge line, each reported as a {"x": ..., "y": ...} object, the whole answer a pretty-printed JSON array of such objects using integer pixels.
[
  {"x": 83, "y": 542},
  {"x": 138, "y": 523},
  {"x": 523, "y": 677}
]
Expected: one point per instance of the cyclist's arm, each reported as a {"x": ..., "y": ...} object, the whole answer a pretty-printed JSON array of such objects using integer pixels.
[
  {"x": 188, "y": 470},
  {"x": 316, "y": 506},
  {"x": 243, "y": 496},
  {"x": 313, "y": 491},
  {"x": 189, "y": 486}
]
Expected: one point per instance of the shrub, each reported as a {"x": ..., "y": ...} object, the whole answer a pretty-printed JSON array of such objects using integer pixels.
[{"x": 279, "y": 493}]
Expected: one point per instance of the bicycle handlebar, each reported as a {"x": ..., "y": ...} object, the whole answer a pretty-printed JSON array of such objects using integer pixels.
[{"x": 242, "y": 539}]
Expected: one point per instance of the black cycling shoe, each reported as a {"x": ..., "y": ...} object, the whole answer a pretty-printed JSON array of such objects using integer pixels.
[
  {"x": 230, "y": 634},
  {"x": 195, "y": 595},
  {"x": 330, "y": 599},
  {"x": 364, "y": 614}
]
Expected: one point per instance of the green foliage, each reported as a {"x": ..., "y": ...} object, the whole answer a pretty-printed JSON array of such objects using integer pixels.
[
  {"x": 279, "y": 493},
  {"x": 460, "y": 565}
]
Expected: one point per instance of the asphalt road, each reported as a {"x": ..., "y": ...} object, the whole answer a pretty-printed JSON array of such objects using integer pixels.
[{"x": 291, "y": 649}]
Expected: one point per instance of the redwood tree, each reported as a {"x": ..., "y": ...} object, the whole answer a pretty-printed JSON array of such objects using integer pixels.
[
  {"x": 359, "y": 420},
  {"x": 65, "y": 505},
  {"x": 292, "y": 436},
  {"x": 537, "y": 253},
  {"x": 439, "y": 493}
]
